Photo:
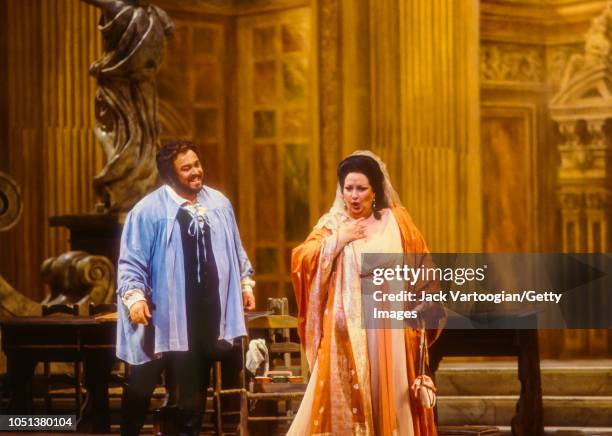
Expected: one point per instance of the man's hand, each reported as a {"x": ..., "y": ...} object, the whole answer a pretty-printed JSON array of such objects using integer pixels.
[
  {"x": 248, "y": 301},
  {"x": 139, "y": 313}
]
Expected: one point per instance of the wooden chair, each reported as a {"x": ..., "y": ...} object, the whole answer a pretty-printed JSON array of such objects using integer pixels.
[
  {"x": 277, "y": 326},
  {"x": 277, "y": 329},
  {"x": 219, "y": 393},
  {"x": 62, "y": 380}
]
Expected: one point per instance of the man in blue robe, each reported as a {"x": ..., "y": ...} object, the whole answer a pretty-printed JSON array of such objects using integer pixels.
[{"x": 184, "y": 282}]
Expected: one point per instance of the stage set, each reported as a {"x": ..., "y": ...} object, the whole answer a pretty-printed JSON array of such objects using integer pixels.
[{"x": 493, "y": 118}]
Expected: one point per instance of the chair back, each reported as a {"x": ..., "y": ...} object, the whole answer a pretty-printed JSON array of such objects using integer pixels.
[{"x": 278, "y": 327}]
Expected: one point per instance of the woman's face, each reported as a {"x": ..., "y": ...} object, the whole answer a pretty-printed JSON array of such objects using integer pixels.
[{"x": 358, "y": 195}]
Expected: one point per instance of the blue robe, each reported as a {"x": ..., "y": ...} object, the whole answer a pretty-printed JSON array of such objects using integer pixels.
[{"x": 151, "y": 259}]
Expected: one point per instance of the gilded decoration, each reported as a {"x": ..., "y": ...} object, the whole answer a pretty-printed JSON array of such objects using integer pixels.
[
  {"x": 264, "y": 78},
  {"x": 501, "y": 62},
  {"x": 264, "y": 42},
  {"x": 266, "y": 220},
  {"x": 582, "y": 110},
  {"x": 557, "y": 59},
  {"x": 329, "y": 95},
  {"x": 297, "y": 209},
  {"x": 295, "y": 78},
  {"x": 295, "y": 37},
  {"x": 265, "y": 124},
  {"x": 597, "y": 48},
  {"x": 211, "y": 88},
  {"x": 295, "y": 123},
  {"x": 207, "y": 124}
]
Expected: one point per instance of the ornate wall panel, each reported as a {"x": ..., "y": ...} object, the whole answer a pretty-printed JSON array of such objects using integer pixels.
[
  {"x": 193, "y": 89},
  {"x": 526, "y": 50},
  {"x": 557, "y": 58},
  {"x": 511, "y": 63},
  {"x": 277, "y": 152},
  {"x": 509, "y": 178}
]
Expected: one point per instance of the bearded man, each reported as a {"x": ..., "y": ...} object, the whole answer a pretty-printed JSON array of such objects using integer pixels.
[{"x": 184, "y": 282}]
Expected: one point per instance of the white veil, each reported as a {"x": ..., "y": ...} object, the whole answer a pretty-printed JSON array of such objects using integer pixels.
[{"x": 337, "y": 213}]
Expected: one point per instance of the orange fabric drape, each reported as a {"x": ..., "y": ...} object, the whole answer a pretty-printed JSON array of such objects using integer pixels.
[{"x": 343, "y": 390}]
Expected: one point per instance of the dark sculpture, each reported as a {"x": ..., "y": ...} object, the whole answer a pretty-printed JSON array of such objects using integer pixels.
[
  {"x": 12, "y": 302},
  {"x": 134, "y": 35},
  {"x": 79, "y": 277},
  {"x": 11, "y": 205}
]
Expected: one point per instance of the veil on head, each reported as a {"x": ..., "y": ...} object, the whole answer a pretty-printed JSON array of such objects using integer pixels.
[{"x": 337, "y": 214}]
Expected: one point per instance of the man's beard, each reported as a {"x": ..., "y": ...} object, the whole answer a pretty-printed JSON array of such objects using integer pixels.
[{"x": 185, "y": 186}]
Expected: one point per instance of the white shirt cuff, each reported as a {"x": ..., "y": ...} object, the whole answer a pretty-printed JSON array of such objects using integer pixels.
[
  {"x": 132, "y": 296},
  {"x": 247, "y": 284}
]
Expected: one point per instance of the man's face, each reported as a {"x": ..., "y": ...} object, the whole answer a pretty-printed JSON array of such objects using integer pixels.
[{"x": 188, "y": 171}]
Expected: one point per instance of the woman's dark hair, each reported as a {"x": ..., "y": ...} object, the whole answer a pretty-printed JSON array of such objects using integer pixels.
[
  {"x": 368, "y": 167},
  {"x": 167, "y": 154}
]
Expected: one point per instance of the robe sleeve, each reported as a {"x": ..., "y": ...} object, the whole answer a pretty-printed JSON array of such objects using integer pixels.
[
  {"x": 417, "y": 253},
  {"x": 246, "y": 269},
  {"x": 311, "y": 268},
  {"x": 137, "y": 242}
]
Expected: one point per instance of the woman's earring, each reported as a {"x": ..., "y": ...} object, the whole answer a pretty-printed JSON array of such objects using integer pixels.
[{"x": 374, "y": 204}]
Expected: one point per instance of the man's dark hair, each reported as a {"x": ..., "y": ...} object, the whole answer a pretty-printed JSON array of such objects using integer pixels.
[
  {"x": 368, "y": 167},
  {"x": 167, "y": 154}
]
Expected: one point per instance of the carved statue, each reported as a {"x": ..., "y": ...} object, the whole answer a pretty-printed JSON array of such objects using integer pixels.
[
  {"x": 582, "y": 110},
  {"x": 134, "y": 36},
  {"x": 597, "y": 47},
  {"x": 79, "y": 277},
  {"x": 11, "y": 205},
  {"x": 12, "y": 302}
]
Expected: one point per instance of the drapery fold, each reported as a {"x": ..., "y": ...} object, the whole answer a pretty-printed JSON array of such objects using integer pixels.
[{"x": 328, "y": 294}]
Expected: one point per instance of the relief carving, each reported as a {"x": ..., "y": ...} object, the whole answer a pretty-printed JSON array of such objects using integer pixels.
[
  {"x": 597, "y": 47},
  {"x": 571, "y": 200},
  {"x": 582, "y": 109},
  {"x": 511, "y": 63},
  {"x": 79, "y": 277},
  {"x": 598, "y": 200},
  {"x": 557, "y": 59},
  {"x": 127, "y": 125}
]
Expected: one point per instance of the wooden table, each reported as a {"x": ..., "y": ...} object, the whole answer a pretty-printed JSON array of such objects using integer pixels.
[
  {"x": 522, "y": 343},
  {"x": 29, "y": 340}
]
